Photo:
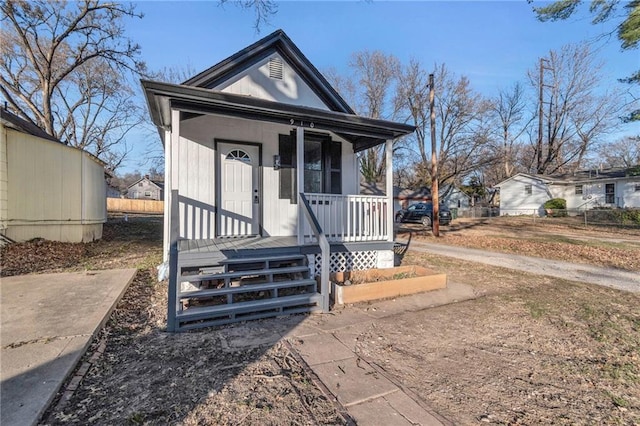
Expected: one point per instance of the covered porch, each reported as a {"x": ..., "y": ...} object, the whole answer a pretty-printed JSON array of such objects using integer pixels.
[{"x": 331, "y": 230}]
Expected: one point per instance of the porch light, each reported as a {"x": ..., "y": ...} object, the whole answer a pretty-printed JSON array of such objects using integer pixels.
[{"x": 276, "y": 162}]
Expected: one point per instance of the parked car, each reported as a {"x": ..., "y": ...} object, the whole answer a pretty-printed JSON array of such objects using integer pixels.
[{"x": 423, "y": 213}]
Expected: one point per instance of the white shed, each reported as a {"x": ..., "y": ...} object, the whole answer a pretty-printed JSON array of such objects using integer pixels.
[{"x": 48, "y": 189}]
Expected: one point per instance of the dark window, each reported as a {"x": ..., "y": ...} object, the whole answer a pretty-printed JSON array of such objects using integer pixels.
[
  {"x": 287, "y": 152},
  {"x": 528, "y": 190},
  {"x": 610, "y": 193},
  {"x": 313, "y": 163},
  {"x": 637, "y": 187},
  {"x": 322, "y": 165},
  {"x": 578, "y": 189}
]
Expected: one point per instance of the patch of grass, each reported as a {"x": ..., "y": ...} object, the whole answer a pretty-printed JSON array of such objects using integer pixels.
[
  {"x": 536, "y": 308},
  {"x": 136, "y": 419},
  {"x": 618, "y": 401}
]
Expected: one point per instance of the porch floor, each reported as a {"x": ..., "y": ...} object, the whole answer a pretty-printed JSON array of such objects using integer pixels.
[{"x": 231, "y": 245}]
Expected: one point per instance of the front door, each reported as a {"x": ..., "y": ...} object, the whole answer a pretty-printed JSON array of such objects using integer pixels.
[{"x": 239, "y": 214}]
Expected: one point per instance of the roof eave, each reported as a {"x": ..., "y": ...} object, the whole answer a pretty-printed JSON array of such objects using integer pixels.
[{"x": 361, "y": 131}]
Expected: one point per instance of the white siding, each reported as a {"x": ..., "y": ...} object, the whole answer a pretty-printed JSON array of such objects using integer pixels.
[
  {"x": 53, "y": 191},
  {"x": 194, "y": 163},
  {"x": 629, "y": 194},
  {"x": 255, "y": 81},
  {"x": 3, "y": 178},
  {"x": 515, "y": 201}
]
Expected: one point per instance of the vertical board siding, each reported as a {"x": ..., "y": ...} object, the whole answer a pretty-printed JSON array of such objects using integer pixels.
[
  {"x": 3, "y": 178},
  {"x": 195, "y": 160},
  {"x": 256, "y": 82},
  {"x": 53, "y": 191}
]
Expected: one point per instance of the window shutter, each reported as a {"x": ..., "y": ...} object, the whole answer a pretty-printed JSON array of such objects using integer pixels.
[{"x": 287, "y": 152}]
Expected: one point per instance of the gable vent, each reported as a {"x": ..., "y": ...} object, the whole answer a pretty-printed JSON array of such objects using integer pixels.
[{"x": 275, "y": 68}]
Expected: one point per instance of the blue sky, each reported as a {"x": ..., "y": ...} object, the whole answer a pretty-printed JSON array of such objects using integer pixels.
[{"x": 493, "y": 43}]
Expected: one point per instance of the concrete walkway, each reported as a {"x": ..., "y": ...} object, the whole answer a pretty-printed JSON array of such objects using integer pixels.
[
  {"x": 328, "y": 345},
  {"x": 608, "y": 277},
  {"x": 328, "y": 342},
  {"x": 47, "y": 323}
]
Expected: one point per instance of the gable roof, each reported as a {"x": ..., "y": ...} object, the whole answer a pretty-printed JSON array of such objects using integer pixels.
[
  {"x": 580, "y": 175},
  {"x": 157, "y": 183},
  {"x": 362, "y": 132},
  {"x": 278, "y": 42},
  {"x": 13, "y": 121},
  {"x": 539, "y": 178}
]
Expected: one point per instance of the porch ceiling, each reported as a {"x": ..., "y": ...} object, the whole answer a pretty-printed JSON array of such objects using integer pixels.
[{"x": 362, "y": 132}]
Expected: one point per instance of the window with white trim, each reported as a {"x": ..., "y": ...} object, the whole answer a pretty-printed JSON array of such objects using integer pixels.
[{"x": 578, "y": 189}]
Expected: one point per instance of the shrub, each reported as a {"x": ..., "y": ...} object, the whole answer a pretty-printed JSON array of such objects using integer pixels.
[{"x": 556, "y": 207}]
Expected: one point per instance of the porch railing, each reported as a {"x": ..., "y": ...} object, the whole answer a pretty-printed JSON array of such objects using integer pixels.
[
  {"x": 348, "y": 218},
  {"x": 325, "y": 250}
]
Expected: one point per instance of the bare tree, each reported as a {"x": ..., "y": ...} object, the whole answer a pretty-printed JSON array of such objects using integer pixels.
[
  {"x": 263, "y": 10},
  {"x": 375, "y": 73},
  {"x": 63, "y": 67},
  {"x": 463, "y": 126},
  {"x": 509, "y": 108},
  {"x": 575, "y": 117},
  {"x": 624, "y": 152}
]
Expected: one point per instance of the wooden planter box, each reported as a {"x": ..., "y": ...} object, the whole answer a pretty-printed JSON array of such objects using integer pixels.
[{"x": 384, "y": 283}]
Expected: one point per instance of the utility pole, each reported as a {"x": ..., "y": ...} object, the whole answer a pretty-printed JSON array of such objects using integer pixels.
[
  {"x": 434, "y": 161},
  {"x": 541, "y": 115}
]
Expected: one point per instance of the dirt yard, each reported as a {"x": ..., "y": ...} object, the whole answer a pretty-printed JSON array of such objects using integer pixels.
[{"x": 530, "y": 350}]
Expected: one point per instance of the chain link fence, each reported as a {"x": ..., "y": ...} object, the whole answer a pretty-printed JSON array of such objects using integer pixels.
[{"x": 624, "y": 218}]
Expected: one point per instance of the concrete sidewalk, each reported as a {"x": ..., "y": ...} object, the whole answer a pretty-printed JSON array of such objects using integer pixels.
[
  {"x": 47, "y": 324},
  {"x": 327, "y": 343}
]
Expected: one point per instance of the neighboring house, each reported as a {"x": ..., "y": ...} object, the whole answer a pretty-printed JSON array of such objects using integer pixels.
[
  {"x": 113, "y": 191},
  {"x": 614, "y": 187},
  {"x": 48, "y": 189},
  {"x": 454, "y": 198},
  {"x": 260, "y": 164},
  {"x": 402, "y": 197},
  {"x": 146, "y": 189}
]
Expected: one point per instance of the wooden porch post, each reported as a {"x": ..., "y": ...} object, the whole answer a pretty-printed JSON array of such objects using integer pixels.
[
  {"x": 389, "y": 176},
  {"x": 167, "y": 195},
  {"x": 300, "y": 179}
]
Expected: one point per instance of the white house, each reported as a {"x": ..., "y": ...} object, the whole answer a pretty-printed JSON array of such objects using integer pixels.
[
  {"x": 48, "y": 189},
  {"x": 454, "y": 198},
  {"x": 615, "y": 187},
  {"x": 260, "y": 164}
]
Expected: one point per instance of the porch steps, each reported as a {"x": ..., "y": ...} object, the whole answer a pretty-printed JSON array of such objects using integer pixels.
[
  {"x": 251, "y": 288},
  {"x": 257, "y": 285},
  {"x": 198, "y": 317},
  {"x": 268, "y": 273}
]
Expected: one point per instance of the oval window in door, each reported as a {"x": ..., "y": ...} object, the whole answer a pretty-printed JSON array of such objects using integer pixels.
[{"x": 238, "y": 155}]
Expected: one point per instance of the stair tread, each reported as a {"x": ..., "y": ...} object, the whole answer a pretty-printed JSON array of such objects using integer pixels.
[
  {"x": 238, "y": 274},
  {"x": 202, "y": 312},
  {"x": 234, "y": 260},
  {"x": 246, "y": 288}
]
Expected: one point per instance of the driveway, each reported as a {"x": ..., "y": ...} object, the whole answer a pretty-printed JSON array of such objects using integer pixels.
[{"x": 608, "y": 277}]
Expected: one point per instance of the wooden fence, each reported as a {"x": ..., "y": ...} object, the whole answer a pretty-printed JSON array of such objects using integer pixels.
[{"x": 126, "y": 205}]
